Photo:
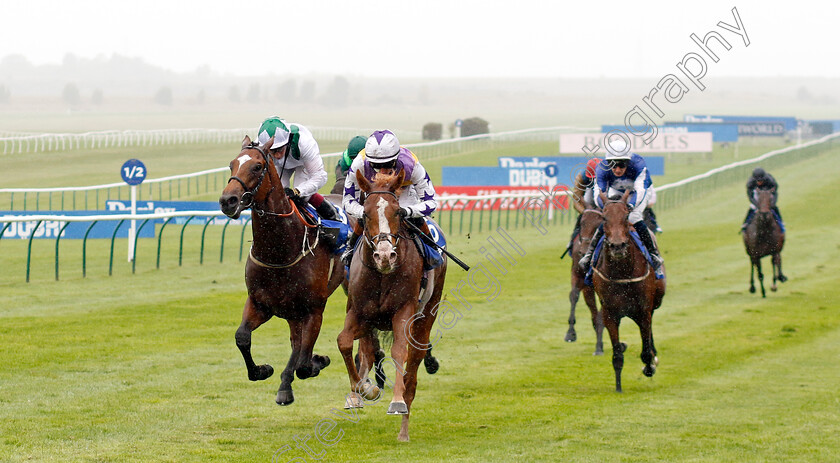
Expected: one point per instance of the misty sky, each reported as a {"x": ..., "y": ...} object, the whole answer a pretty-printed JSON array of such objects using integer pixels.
[{"x": 432, "y": 38}]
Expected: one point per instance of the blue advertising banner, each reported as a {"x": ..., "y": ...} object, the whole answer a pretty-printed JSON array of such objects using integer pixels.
[
  {"x": 720, "y": 132},
  {"x": 790, "y": 123},
  {"x": 159, "y": 207},
  {"x": 530, "y": 171},
  {"x": 74, "y": 230},
  {"x": 823, "y": 127}
]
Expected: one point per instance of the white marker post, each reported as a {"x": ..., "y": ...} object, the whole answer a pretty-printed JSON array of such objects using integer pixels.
[{"x": 133, "y": 172}]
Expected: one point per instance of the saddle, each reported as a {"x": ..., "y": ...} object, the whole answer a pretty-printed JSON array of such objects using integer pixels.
[
  {"x": 334, "y": 233},
  {"x": 660, "y": 274}
]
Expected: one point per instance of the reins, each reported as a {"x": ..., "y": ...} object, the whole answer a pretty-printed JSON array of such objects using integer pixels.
[
  {"x": 371, "y": 241},
  {"x": 595, "y": 266},
  {"x": 306, "y": 246}
]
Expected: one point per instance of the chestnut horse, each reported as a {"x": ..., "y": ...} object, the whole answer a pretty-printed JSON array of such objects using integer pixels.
[
  {"x": 383, "y": 294},
  {"x": 290, "y": 271},
  {"x": 590, "y": 220},
  {"x": 764, "y": 237},
  {"x": 626, "y": 286}
]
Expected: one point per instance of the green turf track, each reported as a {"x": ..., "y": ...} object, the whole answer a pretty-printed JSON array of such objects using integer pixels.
[{"x": 144, "y": 367}]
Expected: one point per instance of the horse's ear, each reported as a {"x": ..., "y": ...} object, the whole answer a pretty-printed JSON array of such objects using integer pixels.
[
  {"x": 603, "y": 197},
  {"x": 397, "y": 184},
  {"x": 362, "y": 181},
  {"x": 625, "y": 196},
  {"x": 246, "y": 142},
  {"x": 269, "y": 143}
]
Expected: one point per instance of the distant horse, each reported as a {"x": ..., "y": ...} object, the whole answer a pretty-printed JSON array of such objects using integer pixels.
[
  {"x": 384, "y": 289},
  {"x": 290, "y": 271},
  {"x": 590, "y": 220},
  {"x": 626, "y": 286},
  {"x": 764, "y": 237}
]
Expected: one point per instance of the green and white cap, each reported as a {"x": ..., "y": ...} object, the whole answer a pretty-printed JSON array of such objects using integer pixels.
[{"x": 273, "y": 127}]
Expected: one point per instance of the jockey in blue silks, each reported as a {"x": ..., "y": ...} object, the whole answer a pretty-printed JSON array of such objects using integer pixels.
[{"x": 623, "y": 170}]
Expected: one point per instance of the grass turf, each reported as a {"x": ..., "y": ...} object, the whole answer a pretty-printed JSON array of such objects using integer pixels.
[{"x": 144, "y": 368}]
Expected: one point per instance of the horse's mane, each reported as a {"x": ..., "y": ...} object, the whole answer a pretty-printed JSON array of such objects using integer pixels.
[{"x": 384, "y": 180}]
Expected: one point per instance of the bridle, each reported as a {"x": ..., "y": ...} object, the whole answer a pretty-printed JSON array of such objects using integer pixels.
[
  {"x": 372, "y": 241},
  {"x": 620, "y": 280},
  {"x": 247, "y": 198}
]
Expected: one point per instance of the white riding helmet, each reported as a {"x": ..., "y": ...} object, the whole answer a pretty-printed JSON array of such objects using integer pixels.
[
  {"x": 382, "y": 146},
  {"x": 618, "y": 149}
]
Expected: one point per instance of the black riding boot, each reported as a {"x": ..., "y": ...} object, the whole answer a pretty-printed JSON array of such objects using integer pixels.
[
  {"x": 574, "y": 233},
  {"x": 644, "y": 234},
  {"x": 585, "y": 260},
  {"x": 327, "y": 211},
  {"x": 749, "y": 215},
  {"x": 347, "y": 255}
]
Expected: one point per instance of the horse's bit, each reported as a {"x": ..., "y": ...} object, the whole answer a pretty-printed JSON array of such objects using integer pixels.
[{"x": 373, "y": 241}]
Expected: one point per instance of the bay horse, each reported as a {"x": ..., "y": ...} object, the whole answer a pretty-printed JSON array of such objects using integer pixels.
[
  {"x": 384, "y": 289},
  {"x": 626, "y": 286},
  {"x": 290, "y": 271},
  {"x": 590, "y": 220},
  {"x": 764, "y": 237}
]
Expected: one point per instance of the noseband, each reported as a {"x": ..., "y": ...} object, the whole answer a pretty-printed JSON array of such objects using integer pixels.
[
  {"x": 373, "y": 241},
  {"x": 247, "y": 198}
]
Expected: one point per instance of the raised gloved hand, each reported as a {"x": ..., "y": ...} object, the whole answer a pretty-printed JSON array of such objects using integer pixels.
[
  {"x": 292, "y": 193},
  {"x": 402, "y": 212}
]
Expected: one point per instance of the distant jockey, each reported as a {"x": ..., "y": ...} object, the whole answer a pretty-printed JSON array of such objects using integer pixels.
[
  {"x": 582, "y": 193},
  {"x": 356, "y": 144},
  {"x": 761, "y": 180}
]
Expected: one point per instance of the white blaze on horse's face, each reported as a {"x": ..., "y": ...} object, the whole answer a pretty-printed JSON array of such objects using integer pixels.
[
  {"x": 243, "y": 159},
  {"x": 385, "y": 255}
]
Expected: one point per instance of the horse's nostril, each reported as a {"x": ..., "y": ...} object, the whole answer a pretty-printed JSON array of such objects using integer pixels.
[
  {"x": 376, "y": 255},
  {"x": 232, "y": 200},
  {"x": 393, "y": 255}
]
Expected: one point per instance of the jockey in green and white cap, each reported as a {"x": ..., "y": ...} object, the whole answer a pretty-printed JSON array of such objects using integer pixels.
[{"x": 295, "y": 151}]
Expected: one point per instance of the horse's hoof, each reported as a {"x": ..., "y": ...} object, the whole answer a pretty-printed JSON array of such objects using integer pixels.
[
  {"x": 752, "y": 289},
  {"x": 262, "y": 372},
  {"x": 353, "y": 401},
  {"x": 649, "y": 370},
  {"x": 320, "y": 361},
  {"x": 598, "y": 352},
  {"x": 369, "y": 391},
  {"x": 773, "y": 288},
  {"x": 571, "y": 336},
  {"x": 305, "y": 372},
  {"x": 402, "y": 438},
  {"x": 398, "y": 408},
  {"x": 285, "y": 397},
  {"x": 782, "y": 278},
  {"x": 431, "y": 364}
]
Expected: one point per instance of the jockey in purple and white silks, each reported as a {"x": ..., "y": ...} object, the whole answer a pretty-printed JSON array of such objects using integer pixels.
[
  {"x": 621, "y": 171},
  {"x": 416, "y": 196}
]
